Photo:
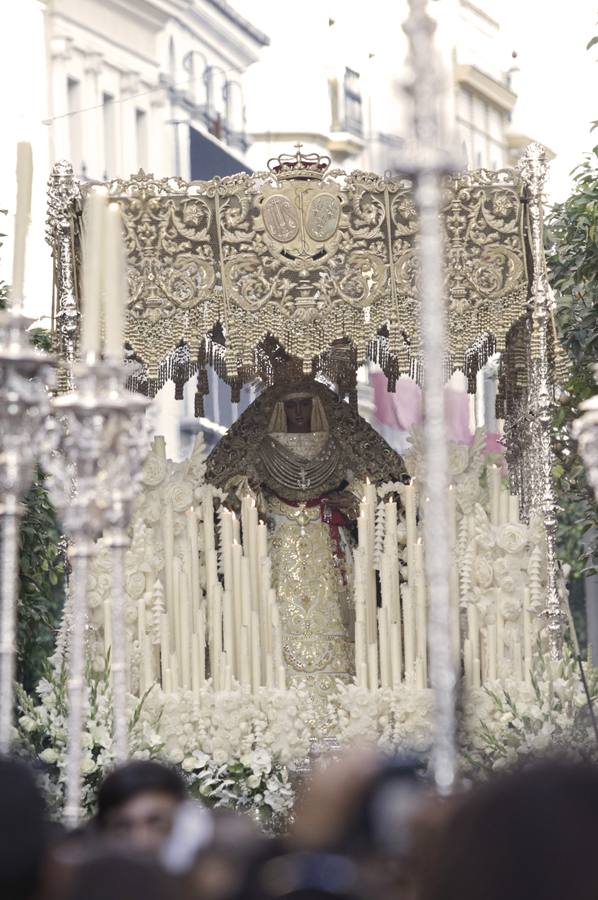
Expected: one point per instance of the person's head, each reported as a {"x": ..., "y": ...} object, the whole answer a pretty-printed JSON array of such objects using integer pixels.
[
  {"x": 528, "y": 833},
  {"x": 137, "y": 804},
  {"x": 298, "y": 410},
  {"x": 116, "y": 877},
  {"x": 23, "y": 832}
]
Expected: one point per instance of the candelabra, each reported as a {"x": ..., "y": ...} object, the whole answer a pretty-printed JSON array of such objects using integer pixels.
[
  {"x": 23, "y": 410},
  {"x": 98, "y": 449}
]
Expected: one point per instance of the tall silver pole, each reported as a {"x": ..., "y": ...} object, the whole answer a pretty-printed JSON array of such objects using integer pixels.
[
  {"x": 428, "y": 164},
  {"x": 23, "y": 410}
]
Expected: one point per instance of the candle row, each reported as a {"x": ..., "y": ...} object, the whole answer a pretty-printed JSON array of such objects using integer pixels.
[
  {"x": 230, "y": 632},
  {"x": 391, "y": 638},
  {"x": 104, "y": 277}
]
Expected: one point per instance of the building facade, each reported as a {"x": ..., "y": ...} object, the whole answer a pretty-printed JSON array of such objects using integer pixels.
[{"x": 334, "y": 82}]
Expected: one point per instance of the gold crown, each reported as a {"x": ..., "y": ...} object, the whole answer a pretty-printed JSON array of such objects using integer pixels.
[{"x": 301, "y": 165}]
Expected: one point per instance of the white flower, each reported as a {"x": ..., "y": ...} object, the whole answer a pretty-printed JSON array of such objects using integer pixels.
[
  {"x": 254, "y": 781},
  {"x": 189, "y": 764},
  {"x": 88, "y": 765},
  {"x": 512, "y": 537},
  {"x": 27, "y": 723},
  {"x": 49, "y": 755}
]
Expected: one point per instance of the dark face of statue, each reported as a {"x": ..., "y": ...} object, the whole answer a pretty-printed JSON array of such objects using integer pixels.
[{"x": 298, "y": 413}]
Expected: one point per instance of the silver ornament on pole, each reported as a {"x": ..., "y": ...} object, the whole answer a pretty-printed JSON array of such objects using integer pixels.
[
  {"x": 24, "y": 402},
  {"x": 100, "y": 448}
]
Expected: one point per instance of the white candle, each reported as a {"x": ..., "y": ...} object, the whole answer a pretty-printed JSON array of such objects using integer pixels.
[
  {"x": 385, "y": 670},
  {"x": 395, "y": 654},
  {"x": 255, "y": 652},
  {"x": 420, "y": 678},
  {"x": 513, "y": 508},
  {"x": 409, "y": 500},
  {"x": 245, "y": 657},
  {"x": 201, "y": 645},
  {"x": 115, "y": 289},
  {"x": 176, "y": 609},
  {"x": 473, "y": 629},
  {"x": 168, "y": 540},
  {"x": 226, "y": 545},
  {"x": 174, "y": 672},
  {"x": 493, "y": 475},
  {"x": 91, "y": 272},
  {"x": 262, "y": 540},
  {"x": 468, "y": 662},
  {"x": 216, "y": 633},
  {"x": 373, "y": 665},
  {"x": 192, "y": 540},
  {"x": 148, "y": 665},
  {"x": 409, "y": 633},
  {"x": 421, "y": 612},
  {"x": 22, "y": 214},
  {"x": 237, "y": 603},
  {"x": 227, "y": 621},
  {"x": 141, "y": 641},
  {"x": 167, "y": 680},
  {"x": 492, "y": 670},
  {"x": 246, "y": 603},
  {"x": 185, "y": 640},
  {"x": 362, "y": 677},
  {"x": 390, "y": 525},
  {"x": 281, "y": 681},
  {"x": 503, "y": 506},
  {"x": 500, "y": 639},
  {"x": 195, "y": 676},
  {"x": 269, "y": 671},
  {"x": 164, "y": 646},
  {"x": 527, "y": 635},
  {"x": 236, "y": 529},
  {"x": 107, "y": 627},
  {"x": 477, "y": 680},
  {"x": 517, "y": 660}
]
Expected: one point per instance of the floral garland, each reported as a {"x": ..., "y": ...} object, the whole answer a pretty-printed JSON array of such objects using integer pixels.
[
  {"x": 243, "y": 751},
  {"x": 234, "y": 749}
]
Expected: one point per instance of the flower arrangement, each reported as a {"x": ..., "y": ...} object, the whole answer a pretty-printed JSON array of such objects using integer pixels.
[
  {"x": 517, "y": 720},
  {"x": 234, "y": 749}
]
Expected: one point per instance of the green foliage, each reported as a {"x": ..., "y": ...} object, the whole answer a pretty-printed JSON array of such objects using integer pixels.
[
  {"x": 41, "y": 564},
  {"x": 41, "y": 590},
  {"x": 572, "y": 257}
]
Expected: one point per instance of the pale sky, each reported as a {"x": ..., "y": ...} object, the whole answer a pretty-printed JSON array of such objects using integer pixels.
[
  {"x": 558, "y": 82},
  {"x": 558, "y": 79}
]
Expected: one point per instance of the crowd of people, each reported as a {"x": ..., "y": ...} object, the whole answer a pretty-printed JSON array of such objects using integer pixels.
[{"x": 366, "y": 826}]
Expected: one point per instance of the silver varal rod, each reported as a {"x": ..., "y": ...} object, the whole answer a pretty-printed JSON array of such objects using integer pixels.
[
  {"x": 437, "y": 563},
  {"x": 428, "y": 163},
  {"x": 80, "y": 555},
  {"x": 10, "y": 514}
]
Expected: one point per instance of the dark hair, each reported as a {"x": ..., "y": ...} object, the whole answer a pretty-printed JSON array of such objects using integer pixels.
[
  {"x": 115, "y": 877},
  {"x": 137, "y": 777},
  {"x": 23, "y": 833},
  {"x": 530, "y": 833}
]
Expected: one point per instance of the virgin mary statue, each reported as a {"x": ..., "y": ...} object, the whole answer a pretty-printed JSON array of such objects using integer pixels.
[{"x": 305, "y": 456}]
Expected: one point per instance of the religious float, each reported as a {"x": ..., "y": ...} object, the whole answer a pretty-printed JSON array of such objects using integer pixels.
[{"x": 303, "y": 586}]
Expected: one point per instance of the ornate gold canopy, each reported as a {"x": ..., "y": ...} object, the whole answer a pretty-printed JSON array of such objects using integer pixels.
[{"x": 300, "y": 261}]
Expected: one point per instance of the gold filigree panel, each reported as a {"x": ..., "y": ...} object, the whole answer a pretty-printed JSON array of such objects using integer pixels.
[{"x": 311, "y": 258}]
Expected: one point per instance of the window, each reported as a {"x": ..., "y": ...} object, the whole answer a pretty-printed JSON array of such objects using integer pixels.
[
  {"x": 108, "y": 119},
  {"x": 353, "y": 110},
  {"x": 73, "y": 93},
  {"x": 481, "y": 125},
  {"x": 141, "y": 138}
]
